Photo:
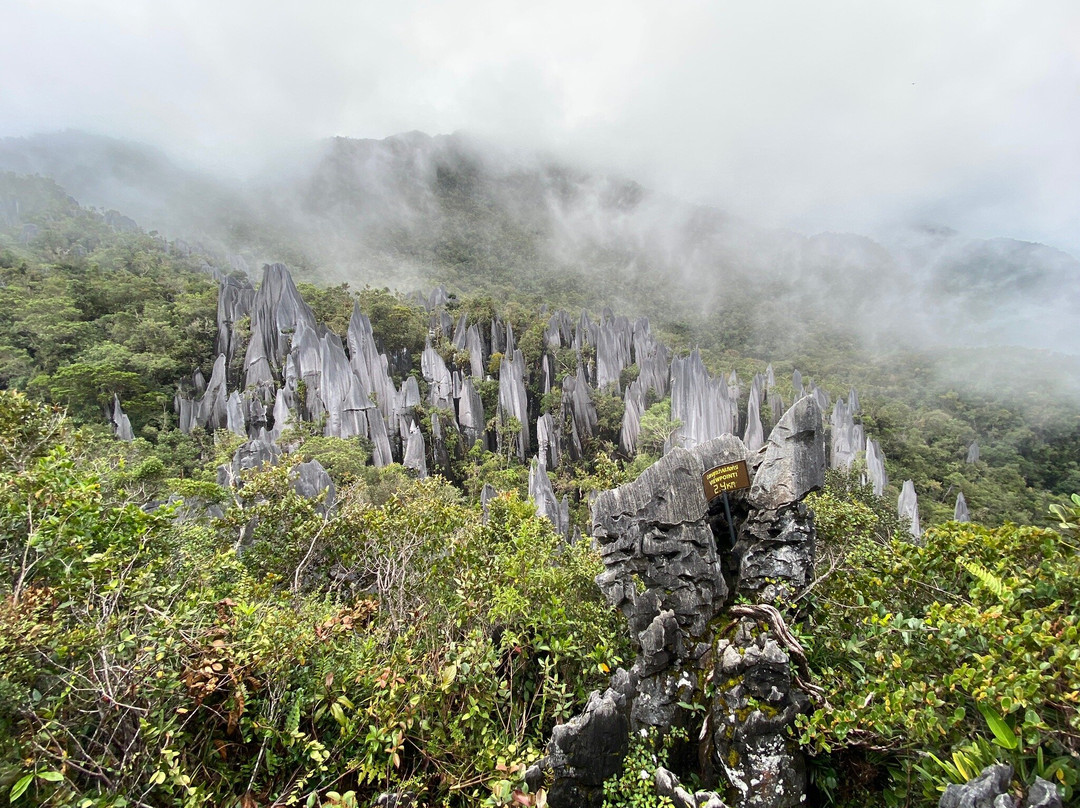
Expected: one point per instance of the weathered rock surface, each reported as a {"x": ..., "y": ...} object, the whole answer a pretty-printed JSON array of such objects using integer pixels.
[
  {"x": 512, "y": 400},
  {"x": 983, "y": 791},
  {"x": 875, "y": 467},
  {"x": 907, "y": 506},
  {"x": 1042, "y": 794},
  {"x": 961, "y": 512},
  {"x": 794, "y": 463},
  {"x": 120, "y": 422},
  {"x": 587, "y": 749},
  {"x": 416, "y": 452},
  {"x": 654, "y": 535},
  {"x": 703, "y": 405},
  {"x": 312, "y": 481},
  {"x": 755, "y": 705}
]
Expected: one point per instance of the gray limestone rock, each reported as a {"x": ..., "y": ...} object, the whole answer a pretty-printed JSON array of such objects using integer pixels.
[
  {"x": 577, "y": 401},
  {"x": 776, "y": 406},
  {"x": 907, "y": 506},
  {"x": 311, "y": 480},
  {"x": 794, "y": 463},
  {"x": 613, "y": 350},
  {"x": 1042, "y": 794},
  {"x": 657, "y": 545},
  {"x": 121, "y": 424},
  {"x": 961, "y": 512},
  {"x": 475, "y": 346},
  {"x": 701, "y": 404},
  {"x": 845, "y": 437},
  {"x": 588, "y": 749},
  {"x": 185, "y": 413},
  {"x": 559, "y": 332},
  {"x": 235, "y": 296},
  {"x": 512, "y": 400},
  {"x": 341, "y": 392},
  {"x": 370, "y": 366},
  {"x": 460, "y": 331},
  {"x": 875, "y": 467},
  {"x": 754, "y": 437},
  {"x": 212, "y": 409},
  {"x": 277, "y": 311},
  {"x": 437, "y": 375},
  {"x": 633, "y": 409},
  {"x": 973, "y": 452},
  {"x": 416, "y": 452},
  {"x": 283, "y": 417},
  {"x": 979, "y": 792},
  {"x": 776, "y": 551},
  {"x": 234, "y": 415},
  {"x": 381, "y": 455},
  {"x": 437, "y": 298},
  {"x": 541, "y": 493},
  {"x": 750, "y": 716},
  {"x": 471, "y": 415},
  {"x": 252, "y": 455},
  {"x": 547, "y": 440}
]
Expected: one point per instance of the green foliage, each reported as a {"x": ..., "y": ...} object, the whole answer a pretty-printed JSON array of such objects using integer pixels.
[
  {"x": 922, "y": 648},
  {"x": 635, "y": 786},
  {"x": 657, "y": 425},
  {"x": 396, "y": 642},
  {"x": 1068, "y": 516}
]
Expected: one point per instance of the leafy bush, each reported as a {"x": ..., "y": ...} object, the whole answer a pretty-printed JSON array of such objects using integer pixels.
[{"x": 922, "y": 648}]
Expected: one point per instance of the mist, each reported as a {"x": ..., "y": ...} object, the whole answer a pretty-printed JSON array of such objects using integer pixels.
[{"x": 829, "y": 116}]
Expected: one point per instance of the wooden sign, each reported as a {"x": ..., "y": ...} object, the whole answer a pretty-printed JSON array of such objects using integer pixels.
[{"x": 728, "y": 477}]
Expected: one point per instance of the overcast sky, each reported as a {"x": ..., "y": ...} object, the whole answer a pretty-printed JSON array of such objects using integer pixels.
[{"x": 816, "y": 115}]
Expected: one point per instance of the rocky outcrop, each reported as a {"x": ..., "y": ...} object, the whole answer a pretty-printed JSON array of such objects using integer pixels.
[
  {"x": 541, "y": 493},
  {"x": 670, "y": 568},
  {"x": 512, "y": 400},
  {"x": 416, "y": 452},
  {"x": 875, "y": 467},
  {"x": 587, "y": 749},
  {"x": 992, "y": 788},
  {"x": 471, "y": 415},
  {"x": 312, "y": 481},
  {"x": 121, "y": 424},
  {"x": 907, "y": 506},
  {"x": 235, "y": 296},
  {"x": 754, "y": 436},
  {"x": 657, "y": 543},
  {"x": 277, "y": 312},
  {"x": 703, "y": 406},
  {"x": 961, "y": 512},
  {"x": 973, "y": 452}
]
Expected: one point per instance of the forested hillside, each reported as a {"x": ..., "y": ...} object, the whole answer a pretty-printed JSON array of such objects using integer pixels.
[{"x": 183, "y": 626}]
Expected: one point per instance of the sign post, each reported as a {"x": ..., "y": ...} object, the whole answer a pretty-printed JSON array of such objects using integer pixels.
[{"x": 721, "y": 479}]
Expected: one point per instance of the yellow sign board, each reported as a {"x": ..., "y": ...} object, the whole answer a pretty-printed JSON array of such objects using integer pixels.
[{"x": 728, "y": 477}]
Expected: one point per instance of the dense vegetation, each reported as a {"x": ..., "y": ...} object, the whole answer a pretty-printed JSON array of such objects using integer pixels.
[{"x": 234, "y": 647}]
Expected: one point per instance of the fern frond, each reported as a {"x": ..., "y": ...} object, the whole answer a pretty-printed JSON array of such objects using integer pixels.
[{"x": 988, "y": 579}]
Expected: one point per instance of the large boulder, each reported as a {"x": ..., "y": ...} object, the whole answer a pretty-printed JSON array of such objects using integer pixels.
[{"x": 657, "y": 544}]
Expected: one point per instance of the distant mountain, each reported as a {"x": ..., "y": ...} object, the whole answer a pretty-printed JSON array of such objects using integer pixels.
[{"x": 415, "y": 210}]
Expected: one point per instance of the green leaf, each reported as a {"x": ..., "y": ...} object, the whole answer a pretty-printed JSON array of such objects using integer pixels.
[
  {"x": 20, "y": 787},
  {"x": 1003, "y": 734},
  {"x": 52, "y": 777}
]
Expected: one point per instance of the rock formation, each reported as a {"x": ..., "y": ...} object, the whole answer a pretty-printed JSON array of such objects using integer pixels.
[
  {"x": 907, "y": 507},
  {"x": 961, "y": 513},
  {"x": 669, "y": 567},
  {"x": 875, "y": 467},
  {"x": 120, "y": 422}
]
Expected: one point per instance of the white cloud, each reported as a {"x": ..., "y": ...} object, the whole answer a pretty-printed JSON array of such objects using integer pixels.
[{"x": 818, "y": 115}]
